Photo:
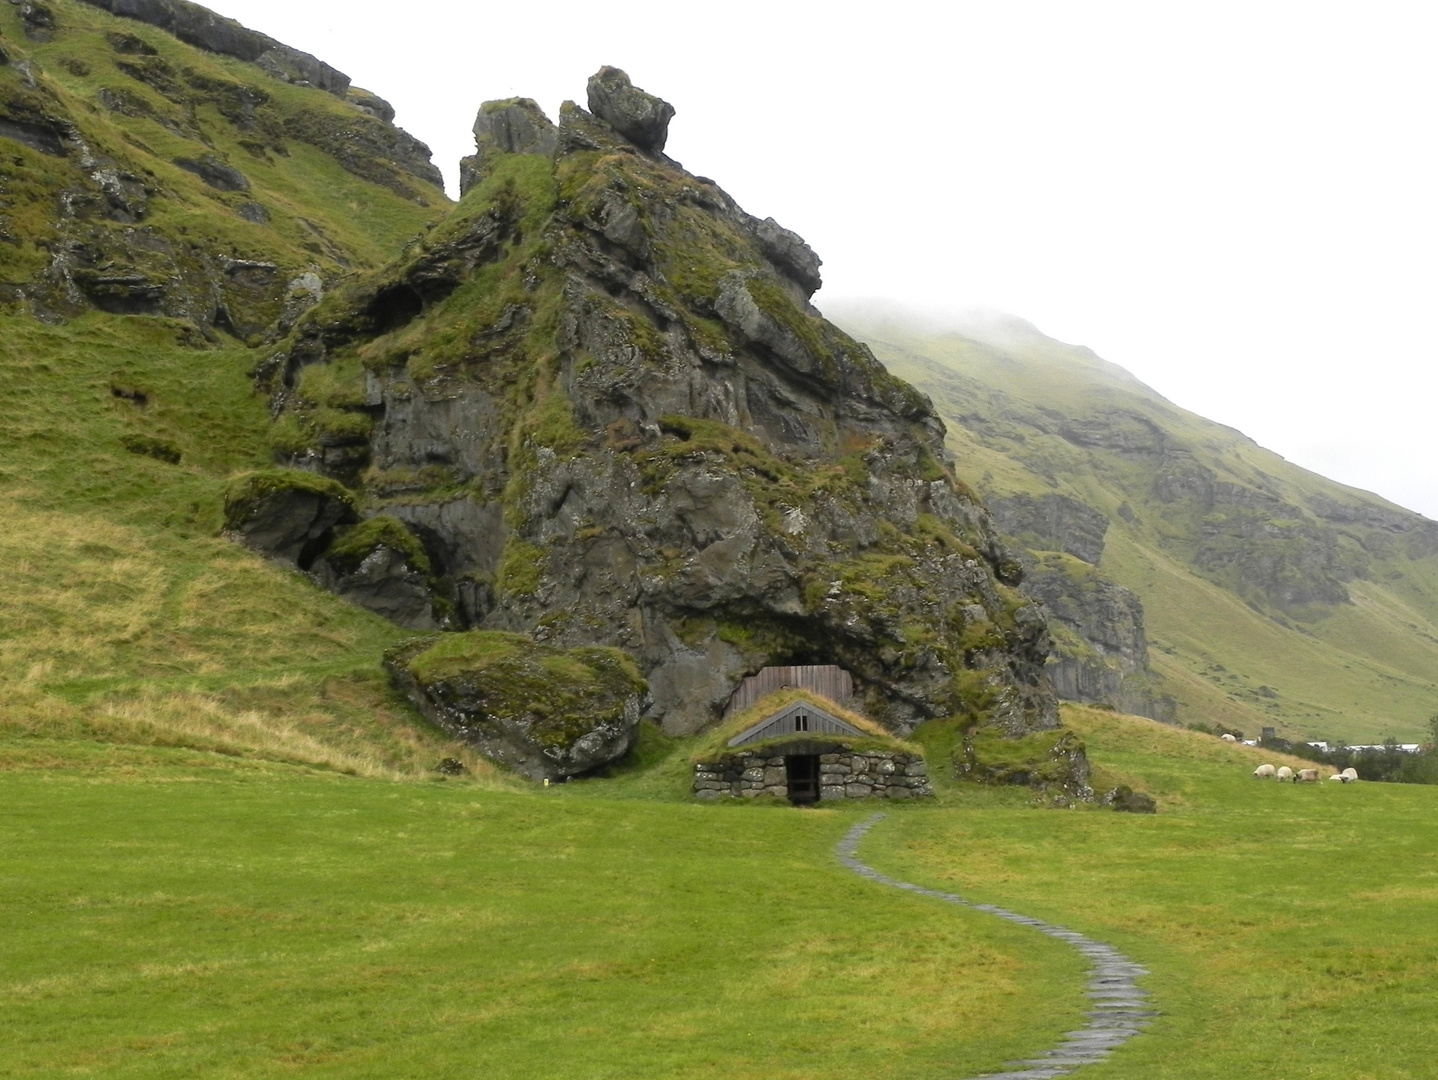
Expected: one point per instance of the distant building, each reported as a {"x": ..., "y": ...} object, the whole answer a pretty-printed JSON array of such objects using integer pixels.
[{"x": 802, "y": 752}]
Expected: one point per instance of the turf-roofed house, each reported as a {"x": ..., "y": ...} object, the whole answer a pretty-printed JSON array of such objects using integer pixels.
[{"x": 784, "y": 737}]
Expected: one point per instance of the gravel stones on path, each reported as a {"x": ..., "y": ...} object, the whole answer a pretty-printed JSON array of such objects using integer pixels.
[{"x": 1120, "y": 1008}]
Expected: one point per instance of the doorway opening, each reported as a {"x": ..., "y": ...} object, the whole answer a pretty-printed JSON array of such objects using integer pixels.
[{"x": 802, "y": 773}]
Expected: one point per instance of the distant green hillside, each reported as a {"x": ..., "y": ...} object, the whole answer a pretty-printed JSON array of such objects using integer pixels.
[{"x": 1273, "y": 596}]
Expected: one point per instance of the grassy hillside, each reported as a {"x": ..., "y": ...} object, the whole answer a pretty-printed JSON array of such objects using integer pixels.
[
  {"x": 169, "y": 912},
  {"x": 1217, "y": 535},
  {"x": 125, "y": 618},
  {"x": 142, "y": 102}
]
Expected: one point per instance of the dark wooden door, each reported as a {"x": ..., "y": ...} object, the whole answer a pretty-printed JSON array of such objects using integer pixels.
[{"x": 803, "y": 775}]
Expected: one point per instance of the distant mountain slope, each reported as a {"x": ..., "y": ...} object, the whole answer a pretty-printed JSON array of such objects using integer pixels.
[{"x": 1273, "y": 596}]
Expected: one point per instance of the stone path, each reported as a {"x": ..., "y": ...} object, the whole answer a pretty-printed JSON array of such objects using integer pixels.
[{"x": 1120, "y": 1009}]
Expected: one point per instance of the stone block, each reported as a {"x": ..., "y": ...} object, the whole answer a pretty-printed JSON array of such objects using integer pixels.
[
  {"x": 774, "y": 776},
  {"x": 828, "y": 759},
  {"x": 752, "y": 792},
  {"x": 832, "y": 779},
  {"x": 832, "y": 768},
  {"x": 779, "y": 790},
  {"x": 885, "y": 767},
  {"x": 857, "y": 791},
  {"x": 776, "y": 761},
  {"x": 707, "y": 794},
  {"x": 753, "y": 774},
  {"x": 916, "y": 768},
  {"x": 897, "y": 792},
  {"x": 831, "y": 792}
]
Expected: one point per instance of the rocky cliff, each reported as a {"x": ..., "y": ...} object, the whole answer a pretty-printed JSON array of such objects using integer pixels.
[
  {"x": 1100, "y": 653},
  {"x": 595, "y": 405}
]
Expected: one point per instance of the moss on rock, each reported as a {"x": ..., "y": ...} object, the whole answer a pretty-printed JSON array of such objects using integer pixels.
[{"x": 543, "y": 711}]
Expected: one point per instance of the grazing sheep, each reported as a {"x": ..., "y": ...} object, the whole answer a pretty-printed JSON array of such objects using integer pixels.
[
  {"x": 1263, "y": 772},
  {"x": 1351, "y": 773},
  {"x": 1339, "y": 777},
  {"x": 1226, "y": 737},
  {"x": 1306, "y": 776},
  {"x": 1284, "y": 773}
]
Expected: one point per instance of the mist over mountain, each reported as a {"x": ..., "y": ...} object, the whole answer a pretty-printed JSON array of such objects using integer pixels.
[{"x": 1271, "y": 595}]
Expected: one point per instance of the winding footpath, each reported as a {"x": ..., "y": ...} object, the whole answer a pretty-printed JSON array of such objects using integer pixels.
[{"x": 1120, "y": 1009}]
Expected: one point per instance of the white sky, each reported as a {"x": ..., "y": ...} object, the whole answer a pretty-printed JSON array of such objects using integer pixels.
[{"x": 1235, "y": 201}]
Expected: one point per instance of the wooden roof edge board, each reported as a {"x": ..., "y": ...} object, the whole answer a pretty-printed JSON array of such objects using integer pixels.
[{"x": 841, "y": 727}]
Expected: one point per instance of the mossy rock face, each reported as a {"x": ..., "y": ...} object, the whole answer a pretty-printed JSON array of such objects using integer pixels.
[
  {"x": 652, "y": 441},
  {"x": 287, "y": 514},
  {"x": 1127, "y": 801},
  {"x": 1054, "y": 763},
  {"x": 542, "y": 711}
]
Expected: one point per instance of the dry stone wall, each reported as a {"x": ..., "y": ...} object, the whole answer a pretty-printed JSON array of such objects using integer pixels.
[{"x": 843, "y": 774}]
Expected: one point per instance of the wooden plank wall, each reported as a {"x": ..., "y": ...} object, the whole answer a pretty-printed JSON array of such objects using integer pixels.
[{"x": 830, "y": 680}]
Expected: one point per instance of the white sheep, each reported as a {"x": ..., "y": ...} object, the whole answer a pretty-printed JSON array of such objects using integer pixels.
[
  {"x": 1306, "y": 776},
  {"x": 1263, "y": 772},
  {"x": 1284, "y": 773},
  {"x": 1351, "y": 773},
  {"x": 1339, "y": 777},
  {"x": 1226, "y": 737}
]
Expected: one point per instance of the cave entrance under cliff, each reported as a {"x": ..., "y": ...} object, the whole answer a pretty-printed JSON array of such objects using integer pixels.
[{"x": 801, "y": 773}]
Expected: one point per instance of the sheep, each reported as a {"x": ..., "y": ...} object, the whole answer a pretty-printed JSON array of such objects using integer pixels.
[
  {"x": 1226, "y": 737},
  {"x": 1351, "y": 773},
  {"x": 1263, "y": 772},
  {"x": 1284, "y": 773},
  {"x": 1339, "y": 777},
  {"x": 1305, "y": 776}
]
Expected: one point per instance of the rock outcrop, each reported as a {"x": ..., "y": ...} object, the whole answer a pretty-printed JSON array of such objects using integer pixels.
[
  {"x": 1100, "y": 654},
  {"x": 547, "y": 713},
  {"x": 199, "y": 26},
  {"x": 598, "y": 397},
  {"x": 514, "y": 126},
  {"x": 1052, "y": 523},
  {"x": 212, "y": 232}
]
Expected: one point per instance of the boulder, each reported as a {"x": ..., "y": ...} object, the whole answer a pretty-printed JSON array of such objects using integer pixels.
[
  {"x": 381, "y": 565},
  {"x": 641, "y": 118},
  {"x": 287, "y": 514},
  {"x": 215, "y": 173},
  {"x": 787, "y": 250},
  {"x": 384, "y": 582},
  {"x": 544, "y": 712},
  {"x": 373, "y": 104},
  {"x": 1125, "y": 800}
]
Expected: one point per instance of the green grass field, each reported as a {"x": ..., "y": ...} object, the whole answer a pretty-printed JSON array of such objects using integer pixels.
[{"x": 169, "y": 912}]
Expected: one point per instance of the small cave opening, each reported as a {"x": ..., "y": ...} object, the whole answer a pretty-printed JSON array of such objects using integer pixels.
[
  {"x": 393, "y": 307},
  {"x": 313, "y": 549}
]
